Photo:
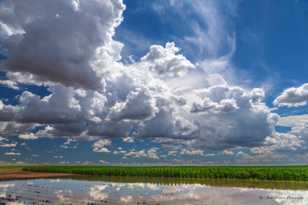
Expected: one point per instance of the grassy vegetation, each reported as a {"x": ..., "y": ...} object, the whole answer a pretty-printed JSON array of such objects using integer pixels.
[{"x": 208, "y": 172}]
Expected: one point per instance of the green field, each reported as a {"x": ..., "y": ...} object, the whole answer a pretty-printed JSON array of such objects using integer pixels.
[{"x": 297, "y": 173}]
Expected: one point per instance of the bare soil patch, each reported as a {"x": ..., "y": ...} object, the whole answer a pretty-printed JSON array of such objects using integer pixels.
[{"x": 32, "y": 175}]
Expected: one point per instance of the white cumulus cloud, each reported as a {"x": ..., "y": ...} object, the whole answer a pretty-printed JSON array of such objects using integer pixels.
[
  {"x": 69, "y": 46},
  {"x": 293, "y": 97}
]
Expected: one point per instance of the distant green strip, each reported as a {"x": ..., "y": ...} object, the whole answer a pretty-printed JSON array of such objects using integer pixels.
[{"x": 210, "y": 172}]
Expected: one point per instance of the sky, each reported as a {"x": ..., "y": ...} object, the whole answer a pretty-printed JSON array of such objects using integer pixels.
[{"x": 153, "y": 82}]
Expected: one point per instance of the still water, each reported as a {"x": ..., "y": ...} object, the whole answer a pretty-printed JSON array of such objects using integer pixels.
[{"x": 76, "y": 191}]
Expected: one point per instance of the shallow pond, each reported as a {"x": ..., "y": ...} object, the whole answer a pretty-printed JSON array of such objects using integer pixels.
[{"x": 80, "y": 191}]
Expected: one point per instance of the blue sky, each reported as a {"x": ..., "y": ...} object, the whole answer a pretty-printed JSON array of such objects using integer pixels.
[
  {"x": 270, "y": 37},
  {"x": 100, "y": 91}
]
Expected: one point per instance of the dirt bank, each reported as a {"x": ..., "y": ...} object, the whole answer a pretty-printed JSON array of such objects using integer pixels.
[{"x": 32, "y": 175}]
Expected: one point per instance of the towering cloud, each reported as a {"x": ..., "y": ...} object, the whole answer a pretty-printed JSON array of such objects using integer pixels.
[
  {"x": 58, "y": 40},
  {"x": 68, "y": 46}
]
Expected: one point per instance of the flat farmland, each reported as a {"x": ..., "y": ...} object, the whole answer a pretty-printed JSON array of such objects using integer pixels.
[{"x": 295, "y": 173}]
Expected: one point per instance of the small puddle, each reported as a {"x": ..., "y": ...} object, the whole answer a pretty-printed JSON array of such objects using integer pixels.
[{"x": 90, "y": 192}]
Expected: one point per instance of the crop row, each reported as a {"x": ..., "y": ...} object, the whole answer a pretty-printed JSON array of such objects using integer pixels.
[{"x": 215, "y": 172}]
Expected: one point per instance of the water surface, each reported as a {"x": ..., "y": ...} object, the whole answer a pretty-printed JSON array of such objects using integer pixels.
[{"x": 77, "y": 191}]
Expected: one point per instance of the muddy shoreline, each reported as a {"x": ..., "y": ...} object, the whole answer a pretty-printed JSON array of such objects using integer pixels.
[{"x": 33, "y": 175}]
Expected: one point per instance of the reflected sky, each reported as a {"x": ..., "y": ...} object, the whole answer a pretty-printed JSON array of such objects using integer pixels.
[{"x": 71, "y": 191}]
